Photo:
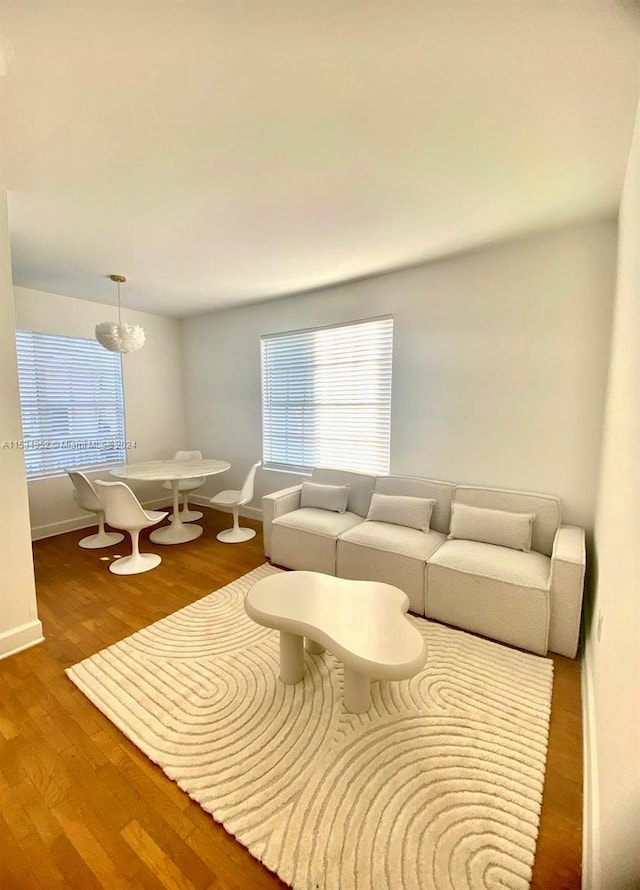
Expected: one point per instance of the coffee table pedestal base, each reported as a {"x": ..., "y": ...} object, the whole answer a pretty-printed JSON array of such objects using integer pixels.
[
  {"x": 291, "y": 658},
  {"x": 362, "y": 623},
  {"x": 357, "y": 691},
  {"x": 357, "y": 687}
]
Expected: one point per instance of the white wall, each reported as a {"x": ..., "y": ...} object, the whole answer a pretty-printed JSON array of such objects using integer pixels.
[
  {"x": 153, "y": 396},
  {"x": 499, "y": 365},
  {"x": 612, "y": 663},
  {"x": 19, "y": 624}
]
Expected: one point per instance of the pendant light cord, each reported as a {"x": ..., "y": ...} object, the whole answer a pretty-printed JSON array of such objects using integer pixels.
[{"x": 119, "y": 319}]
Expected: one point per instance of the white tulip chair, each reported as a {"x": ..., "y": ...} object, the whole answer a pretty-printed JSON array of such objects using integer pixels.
[
  {"x": 236, "y": 499},
  {"x": 124, "y": 510},
  {"x": 87, "y": 498}
]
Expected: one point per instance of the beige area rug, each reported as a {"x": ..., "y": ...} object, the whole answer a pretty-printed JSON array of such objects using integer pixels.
[{"x": 438, "y": 786}]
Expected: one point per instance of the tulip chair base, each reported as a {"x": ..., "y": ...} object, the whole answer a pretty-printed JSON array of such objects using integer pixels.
[
  {"x": 236, "y": 535},
  {"x": 101, "y": 539},
  {"x": 135, "y": 564}
]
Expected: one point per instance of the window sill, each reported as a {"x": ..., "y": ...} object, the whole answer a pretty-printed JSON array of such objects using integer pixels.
[{"x": 287, "y": 472}]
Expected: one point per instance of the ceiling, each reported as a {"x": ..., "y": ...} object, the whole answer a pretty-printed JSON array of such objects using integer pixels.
[{"x": 223, "y": 152}]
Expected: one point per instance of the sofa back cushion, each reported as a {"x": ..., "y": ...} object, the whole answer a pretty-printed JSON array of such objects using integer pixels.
[
  {"x": 546, "y": 508},
  {"x": 401, "y": 509},
  {"x": 360, "y": 487},
  {"x": 503, "y": 528},
  {"x": 325, "y": 497},
  {"x": 441, "y": 492}
]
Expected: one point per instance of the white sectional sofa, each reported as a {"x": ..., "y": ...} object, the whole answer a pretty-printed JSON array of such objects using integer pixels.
[{"x": 454, "y": 571}]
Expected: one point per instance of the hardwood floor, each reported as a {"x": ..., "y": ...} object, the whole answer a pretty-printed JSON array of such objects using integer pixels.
[{"x": 83, "y": 808}]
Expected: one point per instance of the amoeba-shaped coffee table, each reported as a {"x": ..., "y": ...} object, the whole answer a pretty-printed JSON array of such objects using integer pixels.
[{"x": 362, "y": 623}]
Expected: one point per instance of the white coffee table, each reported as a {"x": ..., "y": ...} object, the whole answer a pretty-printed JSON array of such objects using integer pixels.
[{"x": 362, "y": 623}]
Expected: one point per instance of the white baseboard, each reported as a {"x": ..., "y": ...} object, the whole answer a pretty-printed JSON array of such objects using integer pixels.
[
  {"x": 22, "y": 637},
  {"x": 591, "y": 797},
  {"x": 38, "y": 532},
  {"x": 59, "y": 528}
]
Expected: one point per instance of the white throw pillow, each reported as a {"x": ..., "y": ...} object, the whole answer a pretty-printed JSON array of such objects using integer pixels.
[
  {"x": 401, "y": 510},
  {"x": 325, "y": 497},
  {"x": 498, "y": 527}
]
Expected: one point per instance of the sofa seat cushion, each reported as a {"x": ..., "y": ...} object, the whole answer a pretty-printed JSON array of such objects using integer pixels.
[
  {"x": 393, "y": 554},
  {"x": 305, "y": 539},
  {"x": 499, "y": 563},
  {"x": 395, "y": 539},
  {"x": 494, "y": 591},
  {"x": 319, "y": 522}
]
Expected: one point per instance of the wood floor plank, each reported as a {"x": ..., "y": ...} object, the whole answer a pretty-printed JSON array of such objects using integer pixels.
[
  {"x": 15, "y": 813},
  {"x": 92, "y": 851},
  {"x": 141, "y": 796},
  {"x": 42, "y": 865},
  {"x": 75, "y": 872},
  {"x": 25, "y": 863},
  {"x": 8, "y": 729},
  {"x": 45, "y": 825},
  {"x": 84, "y": 808},
  {"x": 156, "y": 859},
  {"x": 233, "y": 866}
]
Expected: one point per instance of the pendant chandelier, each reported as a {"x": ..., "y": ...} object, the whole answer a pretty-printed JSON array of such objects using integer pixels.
[{"x": 120, "y": 336}]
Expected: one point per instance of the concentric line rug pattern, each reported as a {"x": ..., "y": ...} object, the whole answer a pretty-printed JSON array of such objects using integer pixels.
[{"x": 438, "y": 786}]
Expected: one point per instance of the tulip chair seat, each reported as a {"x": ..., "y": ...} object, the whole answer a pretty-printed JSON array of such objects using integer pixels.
[
  {"x": 87, "y": 498},
  {"x": 124, "y": 510},
  {"x": 236, "y": 499}
]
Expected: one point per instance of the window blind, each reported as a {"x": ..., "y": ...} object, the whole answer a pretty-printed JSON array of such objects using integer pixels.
[
  {"x": 326, "y": 397},
  {"x": 71, "y": 402}
]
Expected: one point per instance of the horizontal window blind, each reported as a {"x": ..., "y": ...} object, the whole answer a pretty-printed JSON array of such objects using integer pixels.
[
  {"x": 71, "y": 401},
  {"x": 326, "y": 397}
]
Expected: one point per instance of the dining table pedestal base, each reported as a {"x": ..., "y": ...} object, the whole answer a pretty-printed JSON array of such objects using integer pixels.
[
  {"x": 176, "y": 533},
  {"x": 190, "y": 515}
]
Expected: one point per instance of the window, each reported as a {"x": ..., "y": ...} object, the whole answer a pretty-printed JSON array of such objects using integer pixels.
[
  {"x": 72, "y": 405},
  {"x": 326, "y": 397}
]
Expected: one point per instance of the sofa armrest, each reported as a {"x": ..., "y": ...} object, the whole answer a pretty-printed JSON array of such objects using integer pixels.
[
  {"x": 568, "y": 564},
  {"x": 277, "y": 504}
]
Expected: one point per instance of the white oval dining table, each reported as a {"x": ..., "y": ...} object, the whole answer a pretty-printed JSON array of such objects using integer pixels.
[{"x": 178, "y": 532}]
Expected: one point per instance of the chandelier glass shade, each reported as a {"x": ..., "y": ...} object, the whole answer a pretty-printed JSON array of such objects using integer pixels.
[{"x": 119, "y": 336}]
